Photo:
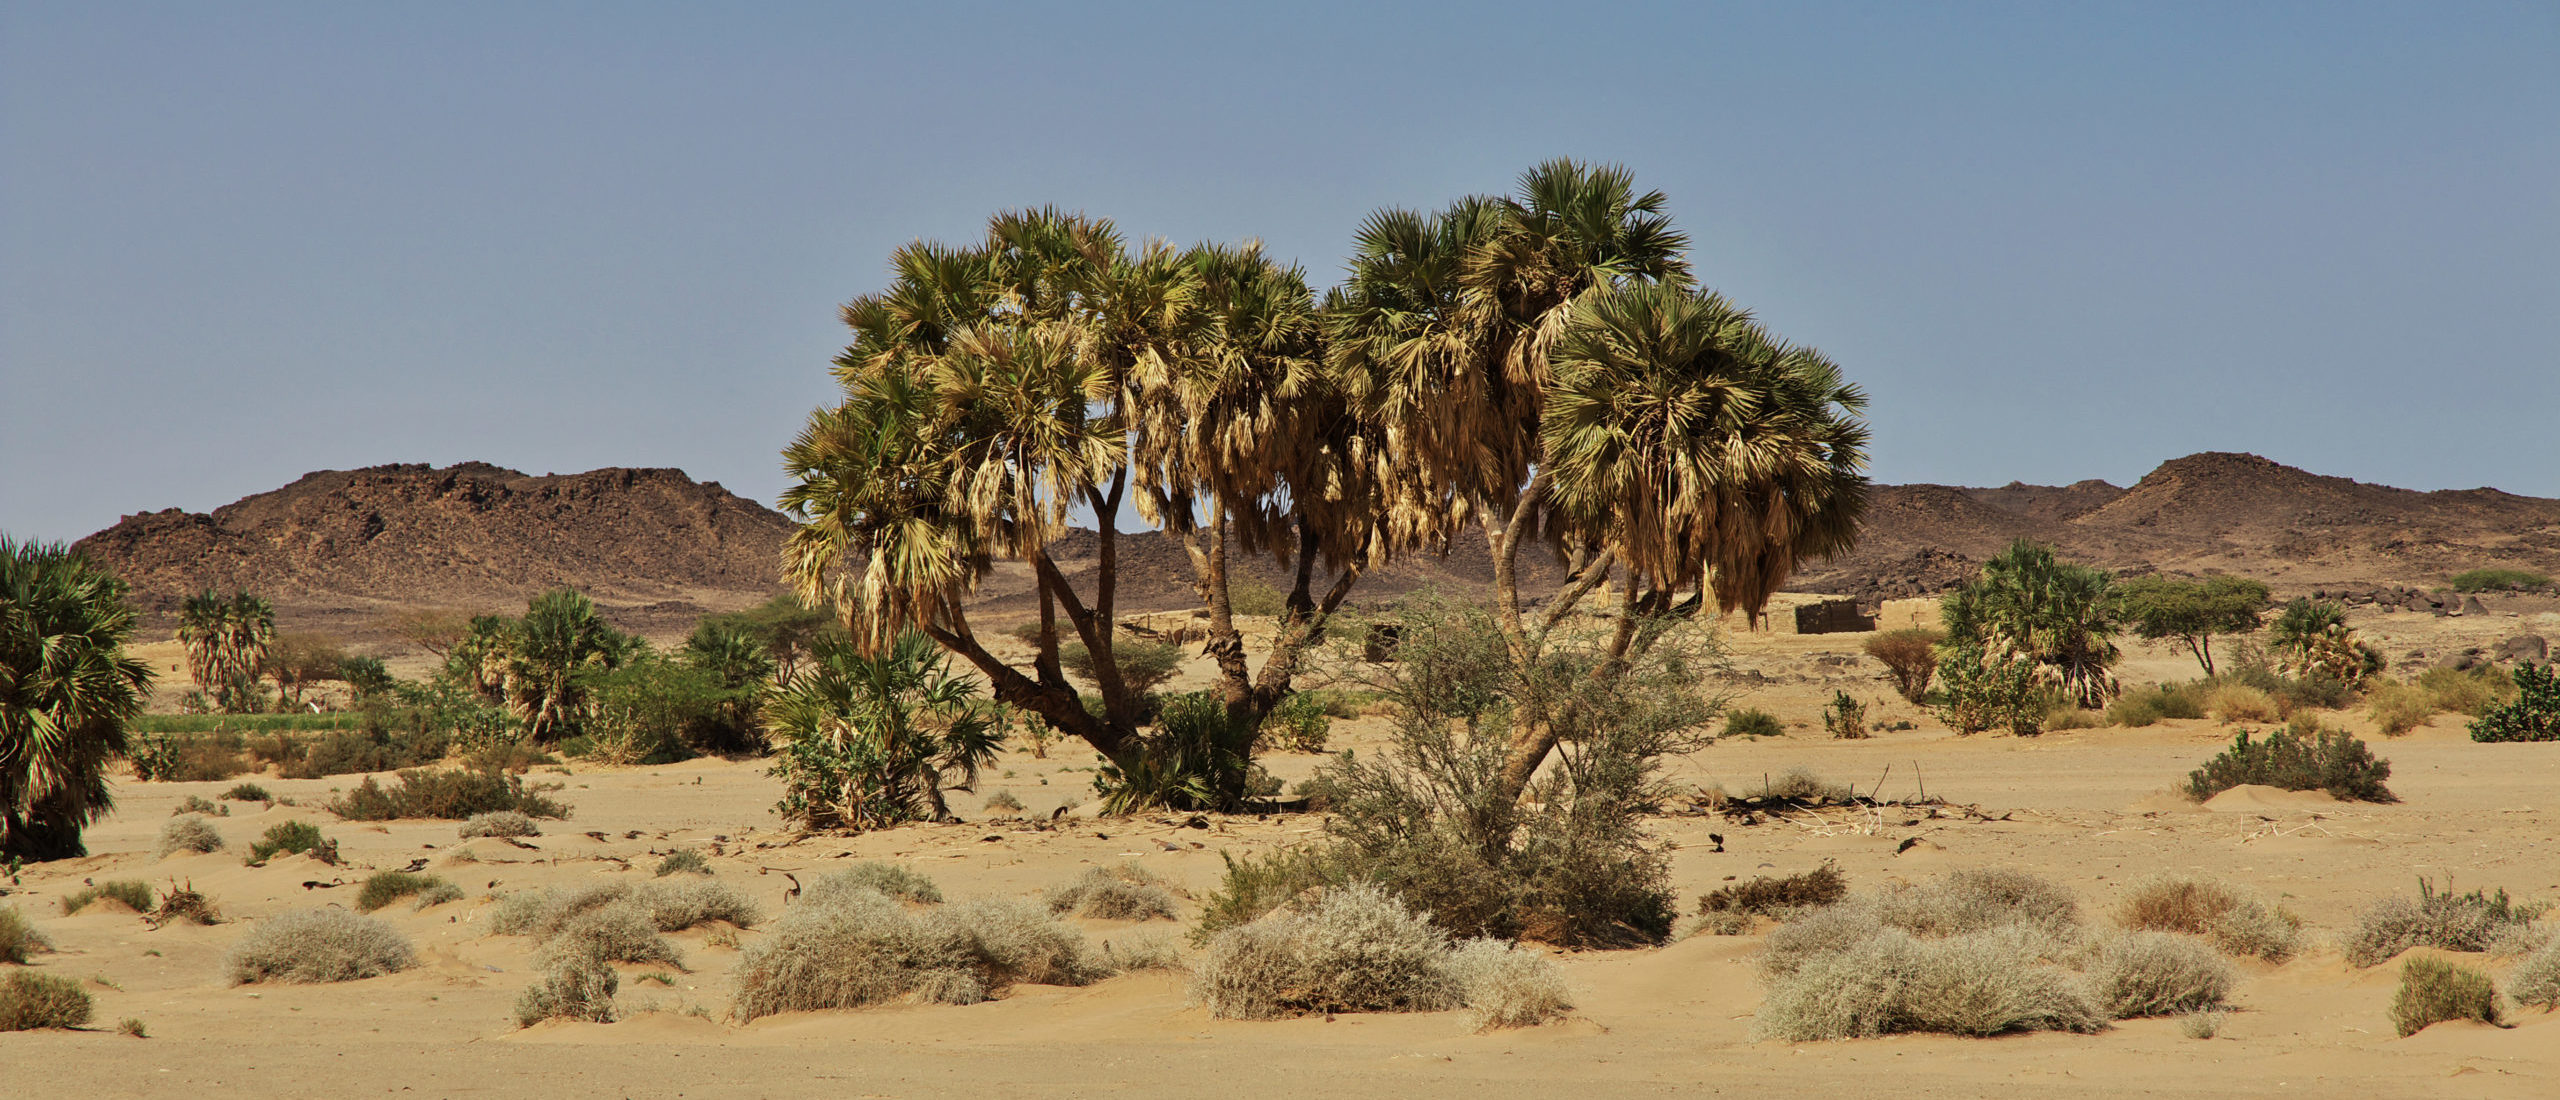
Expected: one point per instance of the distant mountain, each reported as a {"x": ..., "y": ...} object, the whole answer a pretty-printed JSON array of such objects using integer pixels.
[
  {"x": 2212, "y": 512},
  {"x": 657, "y": 548},
  {"x": 471, "y": 536}
]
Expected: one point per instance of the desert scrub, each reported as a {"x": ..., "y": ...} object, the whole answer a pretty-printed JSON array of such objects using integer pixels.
[
  {"x": 2157, "y": 974},
  {"x": 2396, "y": 708},
  {"x": 19, "y": 940},
  {"x": 2444, "y": 920},
  {"x": 1752, "y": 722},
  {"x": 498, "y": 823},
  {"x": 2536, "y": 980},
  {"x": 386, "y": 887},
  {"x": 2202, "y": 1025},
  {"x": 1301, "y": 723},
  {"x": 2433, "y": 991},
  {"x": 197, "y": 804},
  {"x": 683, "y": 861},
  {"x": 183, "y": 903},
  {"x": 453, "y": 793},
  {"x": 619, "y": 931},
  {"x": 1125, "y": 892},
  {"x": 247, "y": 792},
  {"x": 1800, "y": 784},
  {"x": 291, "y": 838},
  {"x": 1775, "y": 897},
  {"x": 2534, "y": 713},
  {"x": 2236, "y": 923},
  {"x": 2231, "y": 702},
  {"x": 1978, "y": 983},
  {"x": 858, "y": 947},
  {"x": 2470, "y": 691},
  {"x": 2498, "y": 580},
  {"x": 319, "y": 945},
  {"x": 1910, "y": 658},
  {"x": 133, "y": 894},
  {"x": 187, "y": 833},
  {"x": 1358, "y": 949},
  {"x": 1003, "y": 802},
  {"x": 30, "y": 1000},
  {"x": 2139, "y": 708},
  {"x": 667, "y": 906},
  {"x": 1142, "y": 953},
  {"x": 1845, "y": 718},
  {"x": 2297, "y": 759},
  {"x": 893, "y": 879},
  {"x": 574, "y": 990}
]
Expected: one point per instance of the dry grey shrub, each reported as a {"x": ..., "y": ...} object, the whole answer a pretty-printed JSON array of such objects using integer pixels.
[
  {"x": 683, "y": 861},
  {"x": 2237, "y": 923},
  {"x": 1801, "y": 784},
  {"x": 2202, "y": 1025},
  {"x": 2443, "y": 920},
  {"x": 892, "y": 879},
  {"x": 319, "y": 945},
  {"x": 2536, "y": 980},
  {"x": 1125, "y": 892},
  {"x": 1974, "y": 983},
  {"x": 668, "y": 906},
  {"x": 617, "y": 931},
  {"x": 499, "y": 823},
  {"x": 572, "y": 990},
  {"x": 1977, "y": 952},
  {"x": 31, "y": 999},
  {"x": 1507, "y": 985},
  {"x": 2157, "y": 974},
  {"x": 850, "y": 947},
  {"x": 187, "y": 833},
  {"x": 1003, "y": 802},
  {"x": 1142, "y": 953},
  {"x": 1358, "y": 949}
]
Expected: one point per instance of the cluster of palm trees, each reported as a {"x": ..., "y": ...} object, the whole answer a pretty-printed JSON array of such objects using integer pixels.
[
  {"x": 227, "y": 640},
  {"x": 1533, "y": 368},
  {"x": 68, "y": 694}
]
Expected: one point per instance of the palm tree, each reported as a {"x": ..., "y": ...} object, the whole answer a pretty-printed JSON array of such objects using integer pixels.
[
  {"x": 560, "y": 638},
  {"x": 2030, "y": 604},
  {"x": 227, "y": 642},
  {"x": 68, "y": 695},
  {"x": 873, "y": 739}
]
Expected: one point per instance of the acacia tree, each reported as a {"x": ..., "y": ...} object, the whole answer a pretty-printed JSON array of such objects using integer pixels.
[
  {"x": 68, "y": 695},
  {"x": 2191, "y": 611},
  {"x": 992, "y": 388}
]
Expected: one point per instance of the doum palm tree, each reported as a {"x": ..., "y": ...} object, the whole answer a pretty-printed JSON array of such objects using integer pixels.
[
  {"x": 68, "y": 696},
  {"x": 227, "y": 640}
]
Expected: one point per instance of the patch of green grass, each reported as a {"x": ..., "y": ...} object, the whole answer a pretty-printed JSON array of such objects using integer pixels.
[
  {"x": 134, "y": 894},
  {"x": 2498, "y": 580},
  {"x": 385, "y": 887}
]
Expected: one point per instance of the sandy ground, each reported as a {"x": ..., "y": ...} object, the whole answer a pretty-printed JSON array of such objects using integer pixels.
[{"x": 2089, "y": 808}]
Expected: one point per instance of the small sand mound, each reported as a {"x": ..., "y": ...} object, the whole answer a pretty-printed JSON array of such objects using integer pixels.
[{"x": 2258, "y": 798}]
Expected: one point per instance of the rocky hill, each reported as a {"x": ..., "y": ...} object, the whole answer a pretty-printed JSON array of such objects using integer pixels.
[
  {"x": 345, "y": 545},
  {"x": 2213, "y": 512},
  {"x": 658, "y": 548}
]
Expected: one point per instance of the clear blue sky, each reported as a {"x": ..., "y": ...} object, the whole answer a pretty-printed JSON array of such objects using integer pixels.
[{"x": 239, "y": 242}]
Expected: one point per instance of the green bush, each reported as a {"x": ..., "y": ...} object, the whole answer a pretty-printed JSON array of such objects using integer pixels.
[
  {"x": 131, "y": 893},
  {"x": 1980, "y": 691},
  {"x": 2297, "y": 760},
  {"x": 1299, "y": 724},
  {"x": 386, "y": 887},
  {"x": 683, "y": 861},
  {"x": 29, "y": 1000},
  {"x": 18, "y": 939},
  {"x": 293, "y": 838},
  {"x": 574, "y": 989},
  {"x": 2135, "y": 709},
  {"x": 2433, "y": 991},
  {"x": 1751, "y": 722},
  {"x": 1144, "y": 665},
  {"x": 2498, "y": 580},
  {"x": 1845, "y": 717},
  {"x": 450, "y": 793},
  {"x": 247, "y": 792},
  {"x": 2534, "y": 715},
  {"x": 1198, "y": 757}
]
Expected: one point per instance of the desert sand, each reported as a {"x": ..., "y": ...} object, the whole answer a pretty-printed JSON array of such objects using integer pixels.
[{"x": 2092, "y": 809}]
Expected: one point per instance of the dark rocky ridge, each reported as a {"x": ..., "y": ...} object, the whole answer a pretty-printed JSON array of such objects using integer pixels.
[{"x": 335, "y": 549}]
